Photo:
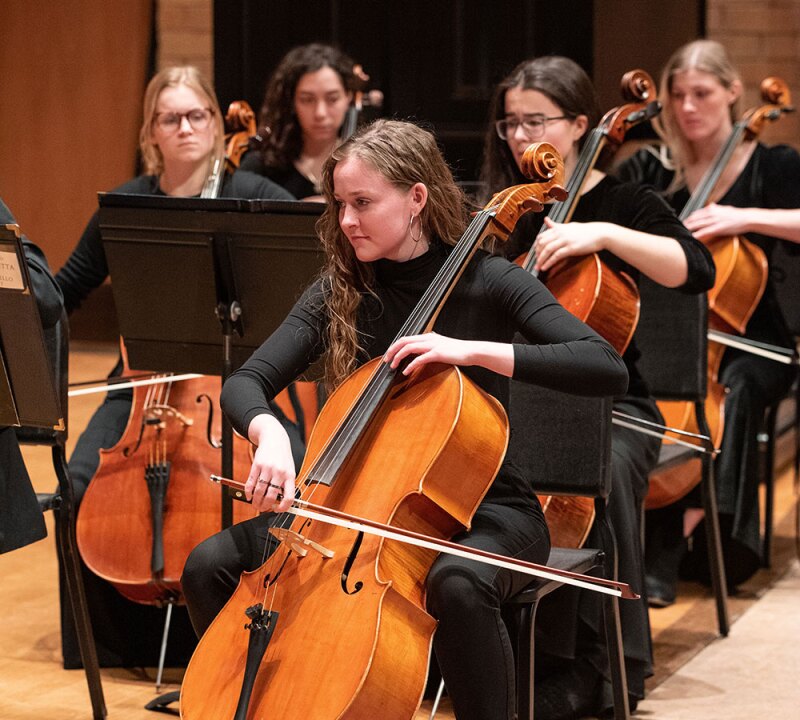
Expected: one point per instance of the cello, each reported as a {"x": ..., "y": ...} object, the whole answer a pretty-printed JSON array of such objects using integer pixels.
[
  {"x": 361, "y": 99},
  {"x": 741, "y": 279},
  {"x": 606, "y": 301},
  {"x": 148, "y": 505},
  {"x": 359, "y": 606}
]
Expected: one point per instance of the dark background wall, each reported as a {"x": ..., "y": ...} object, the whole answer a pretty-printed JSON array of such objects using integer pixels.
[{"x": 439, "y": 61}]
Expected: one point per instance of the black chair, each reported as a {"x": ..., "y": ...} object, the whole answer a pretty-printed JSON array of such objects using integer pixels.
[
  {"x": 785, "y": 273},
  {"x": 780, "y": 417},
  {"x": 562, "y": 443},
  {"x": 673, "y": 337},
  {"x": 63, "y": 505}
]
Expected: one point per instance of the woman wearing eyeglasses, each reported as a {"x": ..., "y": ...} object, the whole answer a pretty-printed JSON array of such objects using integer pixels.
[
  {"x": 180, "y": 140},
  {"x": 552, "y": 99}
]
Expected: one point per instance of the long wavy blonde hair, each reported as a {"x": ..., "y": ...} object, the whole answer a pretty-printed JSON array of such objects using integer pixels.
[
  {"x": 404, "y": 154},
  {"x": 190, "y": 76},
  {"x": 704, "y": 55}
]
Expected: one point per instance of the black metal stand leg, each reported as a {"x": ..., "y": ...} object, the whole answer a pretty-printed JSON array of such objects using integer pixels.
[
  {"x": 526, "y": 619},
  {"x": 613, "y": 627},
  {"x": 769, "y": 483},
  {"x": 715, "y": 561},
  {"x": 77, "y": 594},
  {"x": 163, "y": 652},
  {"x": 437, "y": 700}
]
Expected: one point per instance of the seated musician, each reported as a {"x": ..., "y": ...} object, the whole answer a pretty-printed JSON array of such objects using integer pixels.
[
  {"x": 393, "y": 213},
  {"x": 759, "y": 197},
  {"x": 304, "y": 108},
  {"x": 552, "y": 99},
  {"x": 21, "y": 521},
  {"x": 180, "y": 139}
]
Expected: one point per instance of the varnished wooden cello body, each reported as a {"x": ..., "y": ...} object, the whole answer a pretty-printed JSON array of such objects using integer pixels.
[
  {"x": 738, "y": 288},
  {"x": 605, "y": 300},
  {"x": 149, "y": 504},
  {"x": 347, "y": 618}
]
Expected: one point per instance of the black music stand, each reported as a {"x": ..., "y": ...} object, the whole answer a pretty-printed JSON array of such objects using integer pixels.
[
  {"x": 30, "y": 400},
  {"x": 199, "y": 284}
]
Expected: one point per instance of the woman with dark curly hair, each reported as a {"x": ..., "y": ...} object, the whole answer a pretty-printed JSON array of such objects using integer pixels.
[{"x": 304, "y": 108}]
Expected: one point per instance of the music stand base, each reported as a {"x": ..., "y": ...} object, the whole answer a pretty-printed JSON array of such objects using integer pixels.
[{"x": 161, "y": 703}]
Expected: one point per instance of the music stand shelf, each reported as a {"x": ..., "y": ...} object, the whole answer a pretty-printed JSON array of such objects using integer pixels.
[{"x": 199, "y": 284}]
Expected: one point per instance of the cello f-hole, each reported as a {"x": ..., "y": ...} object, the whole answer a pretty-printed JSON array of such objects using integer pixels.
[
  {"x": 211, "y": 441},
  {"x": 351, "y": 558}
]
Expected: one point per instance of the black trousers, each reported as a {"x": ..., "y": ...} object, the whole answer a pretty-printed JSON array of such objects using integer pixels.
[
  {"x": 471, "y": 642},
  {"x": 754, "y": 383}
]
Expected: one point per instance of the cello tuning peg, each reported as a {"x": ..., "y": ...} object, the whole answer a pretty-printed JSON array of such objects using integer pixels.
[{"x": 533, "y": 204}]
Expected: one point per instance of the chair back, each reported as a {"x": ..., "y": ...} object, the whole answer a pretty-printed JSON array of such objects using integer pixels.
[
  {"x": 561, "y": 443},
  {"x": 672, "y": 336}
]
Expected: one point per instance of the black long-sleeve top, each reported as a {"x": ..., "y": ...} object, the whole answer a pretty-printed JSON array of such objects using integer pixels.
[
  {"x": 771, "y": 179},
  {"x": 288, "y": 177},
  {"x": 47, "y": 293},
  {"x": 87, "y": 268},
  {"x": 638, "y": 208},
  {"x": 492, "y": 301}
]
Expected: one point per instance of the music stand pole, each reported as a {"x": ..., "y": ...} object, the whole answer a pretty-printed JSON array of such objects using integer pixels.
[{"x": 229, "y": 315}]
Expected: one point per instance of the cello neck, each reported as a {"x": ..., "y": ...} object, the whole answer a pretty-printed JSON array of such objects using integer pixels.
[
  {"x": 777, "y": 102},
  {"x": 637, "y": 90},
  {"x": 542, "y": 163},
  {"x": 561, "y": 211},
  {"x": 421, "y": 320},
  {"x": 705, "y": 187}
]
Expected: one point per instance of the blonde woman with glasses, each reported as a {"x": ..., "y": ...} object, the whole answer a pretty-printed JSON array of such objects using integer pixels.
[{"x": 180, "y": 140}]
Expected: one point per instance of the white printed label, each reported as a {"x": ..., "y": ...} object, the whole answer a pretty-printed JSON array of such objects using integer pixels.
[{"x": 10, "y": 274}]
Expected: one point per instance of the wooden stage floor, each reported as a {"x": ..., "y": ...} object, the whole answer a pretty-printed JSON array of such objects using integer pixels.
[{"x": 34, "y": 685}]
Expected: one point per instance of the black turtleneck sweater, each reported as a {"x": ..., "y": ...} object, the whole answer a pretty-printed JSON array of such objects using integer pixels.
[{"x": 492, "y": 301}]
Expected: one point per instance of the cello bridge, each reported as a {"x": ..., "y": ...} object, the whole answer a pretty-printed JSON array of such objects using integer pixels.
[
  {"x": 299, "y": 543},
  {"x": 158, "y": 414}
]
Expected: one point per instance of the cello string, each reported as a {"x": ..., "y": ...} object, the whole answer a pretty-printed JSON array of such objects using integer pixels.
[{"x": 336, "y": 450}]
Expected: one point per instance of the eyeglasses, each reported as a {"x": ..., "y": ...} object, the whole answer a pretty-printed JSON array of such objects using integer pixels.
[
  {"x": 532, "y": 127},
  {"x": 198, "y": 119}
]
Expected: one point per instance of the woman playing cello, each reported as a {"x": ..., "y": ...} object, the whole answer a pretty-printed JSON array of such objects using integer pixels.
[
  {"x": 759, "y": 195},
  {"x": 393, "y": 212},
  {"x": 552, "y": 99}
]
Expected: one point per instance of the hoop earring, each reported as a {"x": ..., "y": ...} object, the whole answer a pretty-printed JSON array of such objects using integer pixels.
[{"x": 410, "y": 232}]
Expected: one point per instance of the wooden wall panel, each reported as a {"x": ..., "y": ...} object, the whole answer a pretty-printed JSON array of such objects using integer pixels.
[{"x": 72, "y": 77}]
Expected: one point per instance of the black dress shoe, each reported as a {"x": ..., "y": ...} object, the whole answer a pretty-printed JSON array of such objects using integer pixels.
[
  {"x": 570, "y": 694},
  {"x": 660, "y": 594}
]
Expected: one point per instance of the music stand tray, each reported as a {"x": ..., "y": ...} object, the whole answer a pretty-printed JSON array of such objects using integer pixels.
[{"x": 174, "y": 261}]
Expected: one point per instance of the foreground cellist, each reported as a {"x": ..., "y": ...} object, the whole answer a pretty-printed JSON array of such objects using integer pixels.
[{"x": 393, "y": 212}]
